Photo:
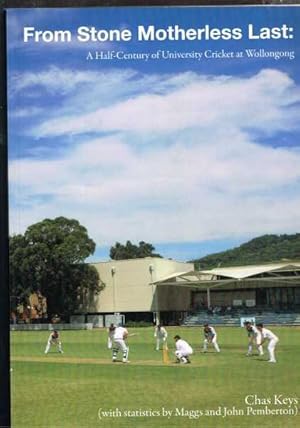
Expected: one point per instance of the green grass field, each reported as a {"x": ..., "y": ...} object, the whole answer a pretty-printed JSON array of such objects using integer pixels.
[{"x": 83, "y": 388}]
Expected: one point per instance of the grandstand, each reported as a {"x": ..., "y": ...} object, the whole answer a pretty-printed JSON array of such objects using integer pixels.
[{"x": 266, "y": 317}]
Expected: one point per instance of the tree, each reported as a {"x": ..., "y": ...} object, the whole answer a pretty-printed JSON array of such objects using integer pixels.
[
  {"x": 131, "y": 251},
  {"x": 19, "y": 274},
  {"x": 49, "y": 257}
]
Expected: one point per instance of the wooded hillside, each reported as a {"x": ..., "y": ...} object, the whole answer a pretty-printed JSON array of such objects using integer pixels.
[{"x": 264, "y": 249}]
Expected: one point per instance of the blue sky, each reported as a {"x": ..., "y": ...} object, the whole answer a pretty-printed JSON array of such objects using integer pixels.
[{"x": 192, "y": 156}]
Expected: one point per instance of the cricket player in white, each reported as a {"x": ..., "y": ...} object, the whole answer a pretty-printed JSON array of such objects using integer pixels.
[
  {"x": 183, "y": 350},
  {"x": 119, "y": 336},
  {"x": 54, "y": 340},
  {"x": 272, "y": 338},
  {"x": 161, "y": 337},
  {"x": 254, "y": 336},
  {"x": 210, "y": 336}
]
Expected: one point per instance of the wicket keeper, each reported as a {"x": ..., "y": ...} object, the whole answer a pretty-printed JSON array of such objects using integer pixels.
[{"x": 183, "y": 350}]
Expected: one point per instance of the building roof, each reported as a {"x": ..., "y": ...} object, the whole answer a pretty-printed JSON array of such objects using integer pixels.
[
  {"x": 274, "y": 273},
  {"x": 240, "y": 272}
]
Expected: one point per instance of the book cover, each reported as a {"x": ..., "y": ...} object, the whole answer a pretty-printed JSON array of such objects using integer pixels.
[{"x": 140, "y": 140}]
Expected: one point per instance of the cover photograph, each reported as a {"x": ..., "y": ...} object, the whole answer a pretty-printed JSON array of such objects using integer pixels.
[{"x": 154, "y": 228}]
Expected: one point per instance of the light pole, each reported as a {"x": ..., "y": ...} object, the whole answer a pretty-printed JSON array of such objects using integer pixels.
[
  {"x": 208, "y": 297},
  {"x": 154, "y": 297},
  {"x": 113, "y": 273}
]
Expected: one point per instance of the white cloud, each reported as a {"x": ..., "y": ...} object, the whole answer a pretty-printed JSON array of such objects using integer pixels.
[
  {"x": 183, "y": 165},
  {"x": 179, "y": 193},
  {"x": 259, "y": 102},
  {"x": 26, "y": 112},
  {"x": 56, "y": 80},
  {"x": 77, "y": 93}
]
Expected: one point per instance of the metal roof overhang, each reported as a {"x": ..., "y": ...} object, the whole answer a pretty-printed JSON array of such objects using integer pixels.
[
  {"x": 230, "y": 284},
  {"x": 263, "y": 276}
]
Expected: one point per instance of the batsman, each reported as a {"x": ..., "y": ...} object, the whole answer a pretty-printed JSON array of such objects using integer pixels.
[{"x": 119, "y": 335}]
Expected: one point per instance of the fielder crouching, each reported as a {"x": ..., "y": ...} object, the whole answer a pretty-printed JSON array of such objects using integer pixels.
[
  {"x": 210, "y": 336},
  {"x": 254, "y": 337},
  {"x": 54, "y": 339},
  {"x": 183, "y": 350}
]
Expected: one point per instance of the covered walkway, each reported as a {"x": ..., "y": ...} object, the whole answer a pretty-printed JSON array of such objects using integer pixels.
[{"x": 284, "y": 276}]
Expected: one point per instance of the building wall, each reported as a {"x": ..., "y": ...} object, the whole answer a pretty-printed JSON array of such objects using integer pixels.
[
  {"x": 174, "y": 298},
  {"x": 128, "y": 286}
]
